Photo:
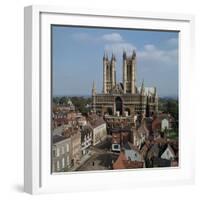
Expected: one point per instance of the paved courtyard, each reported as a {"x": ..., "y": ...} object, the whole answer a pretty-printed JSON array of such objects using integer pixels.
[{"x": 102, "y": 158}]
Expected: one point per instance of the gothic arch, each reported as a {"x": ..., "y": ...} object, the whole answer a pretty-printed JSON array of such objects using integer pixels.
[{"x": 119, "y": 105}]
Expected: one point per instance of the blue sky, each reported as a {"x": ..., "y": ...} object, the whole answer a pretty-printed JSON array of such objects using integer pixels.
[{"x": 77, "y": 58}]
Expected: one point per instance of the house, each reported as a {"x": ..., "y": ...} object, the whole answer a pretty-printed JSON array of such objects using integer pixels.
[
  {"x": 86, "y": 139},
  {"x": 159, "y": 162},
  {"x": 61, "y": 153},
  {"x": 119, "y": 138},
  {"x": 140, "y": 135},
  {"x": 153, "y": 151},
  {"x": 144, "y": 149},
  {"x": 168, "y": 154},
  {"x": 98, "y": 126},
  {"x": 129, "y": 159},
  {"x": 161, "y": 154},
  {"x": 59, "y": 119},
  {"x": 74, "y": 133},
  {"x": 162, "y": 122},
  {"x": 76, "y": 146},
  {"x": 81, "y": 120}
]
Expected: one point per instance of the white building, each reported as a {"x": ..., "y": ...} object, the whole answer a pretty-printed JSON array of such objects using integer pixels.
[
  {"x": 99, "y": 131},
  {"x": 164, "y": 124},
  {"x": 61, "y": 153}
]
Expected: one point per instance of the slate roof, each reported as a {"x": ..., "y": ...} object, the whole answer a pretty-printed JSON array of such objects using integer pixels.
[
  {"x": 58, "y": 138},
  {"x": 159, "y": 162},
  {"x": 132, "y": 155},
  {"x": 153, "y": 151},
  {"x": 95, "y": 122}
]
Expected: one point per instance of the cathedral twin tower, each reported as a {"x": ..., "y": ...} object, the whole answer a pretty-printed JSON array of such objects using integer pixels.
[
  {"x": 124, "y": 98},
  {"x": 129, "y": 73}
]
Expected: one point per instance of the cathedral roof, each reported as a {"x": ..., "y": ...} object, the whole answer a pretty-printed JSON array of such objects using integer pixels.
[{"x": 148, "y": 90}]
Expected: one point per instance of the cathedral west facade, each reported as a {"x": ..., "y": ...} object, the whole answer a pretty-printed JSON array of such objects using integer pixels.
[{"x": 125, "y": 98}]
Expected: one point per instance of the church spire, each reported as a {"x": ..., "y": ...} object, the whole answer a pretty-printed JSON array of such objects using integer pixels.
[
  {"x": 93, "y": 89},
  {"x": 133, "y": 54},
  {"x": 155, "y": 92},
  {"x": 94, "y": 97},
  {"x": 142, "y": 90},
  {"x": 113, "y": 57},
  {"x": 105, "y": 56}
]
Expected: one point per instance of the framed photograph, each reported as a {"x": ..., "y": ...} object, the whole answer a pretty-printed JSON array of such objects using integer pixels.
[{"x": 108, "y": 99}]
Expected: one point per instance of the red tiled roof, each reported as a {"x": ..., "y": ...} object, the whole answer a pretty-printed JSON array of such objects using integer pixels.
[
  {"x": 119, "y": 163},
  {"x": 123, "y": 163}
]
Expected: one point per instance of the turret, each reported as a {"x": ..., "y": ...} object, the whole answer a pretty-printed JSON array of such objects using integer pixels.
[
  {"x": 124, "y": 71},
  {"x": 142, "y": 90},
  {"x": 156, "y": 98},
  {"x": 129, "y": 72},
  {"x": 133, "y": 54},
  {"x": 93, "y": 89},
  {"x": 113, "y": 57},
  {"x": 133, "y": 74},
  {"x": 105, "y": 56},
  {"x": 105, "y": 60},
  {"x": 113, "y": 63},
  {"x": 94, "y": 97}
]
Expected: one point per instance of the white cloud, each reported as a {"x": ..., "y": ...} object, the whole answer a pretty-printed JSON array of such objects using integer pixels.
[
  {"x": 113, "y": 38},
  {"x": 149, "y": 47},
  {"x": 154, "y": 54},
  {"x": 115, "y": 43},
  {"x": 106, "y": 38}
]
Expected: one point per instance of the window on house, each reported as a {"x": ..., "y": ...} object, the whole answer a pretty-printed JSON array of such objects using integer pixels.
[
  {"x": 54, "y": 153},
  {"x": 67, "y": 147},
  {"x": 67, "y": 160},
  {"x": 58, "y": 152},
  {"x": 63, "y": 162},
  {"x": 63, "y": 149},
  {"x": 58, "y": 165}
]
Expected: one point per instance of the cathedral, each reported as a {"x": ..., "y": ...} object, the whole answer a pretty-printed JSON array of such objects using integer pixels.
[{"x": 124, "y": 98}]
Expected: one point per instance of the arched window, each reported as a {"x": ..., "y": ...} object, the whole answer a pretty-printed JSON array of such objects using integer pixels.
[{"x": 119, "y": 105}]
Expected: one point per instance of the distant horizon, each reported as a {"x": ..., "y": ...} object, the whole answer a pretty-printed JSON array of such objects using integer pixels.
[
  {"x": 89, "y": 95},
  {"x": 77, "y": 55}
]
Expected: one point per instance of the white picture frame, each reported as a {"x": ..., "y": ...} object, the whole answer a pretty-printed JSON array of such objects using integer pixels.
[{"x": 37, "y": 172}]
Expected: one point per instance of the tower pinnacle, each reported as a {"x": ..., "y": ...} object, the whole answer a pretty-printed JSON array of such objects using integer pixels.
[
  {"x": 142, "y": 88},
  {"x": 93, "y": 88}
]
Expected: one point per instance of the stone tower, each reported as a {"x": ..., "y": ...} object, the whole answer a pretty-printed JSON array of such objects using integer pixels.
[
  {"x": 94, "y": 97},
  {"x": 129, "y": 73},
  {"x": 109, "y": 73}
]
